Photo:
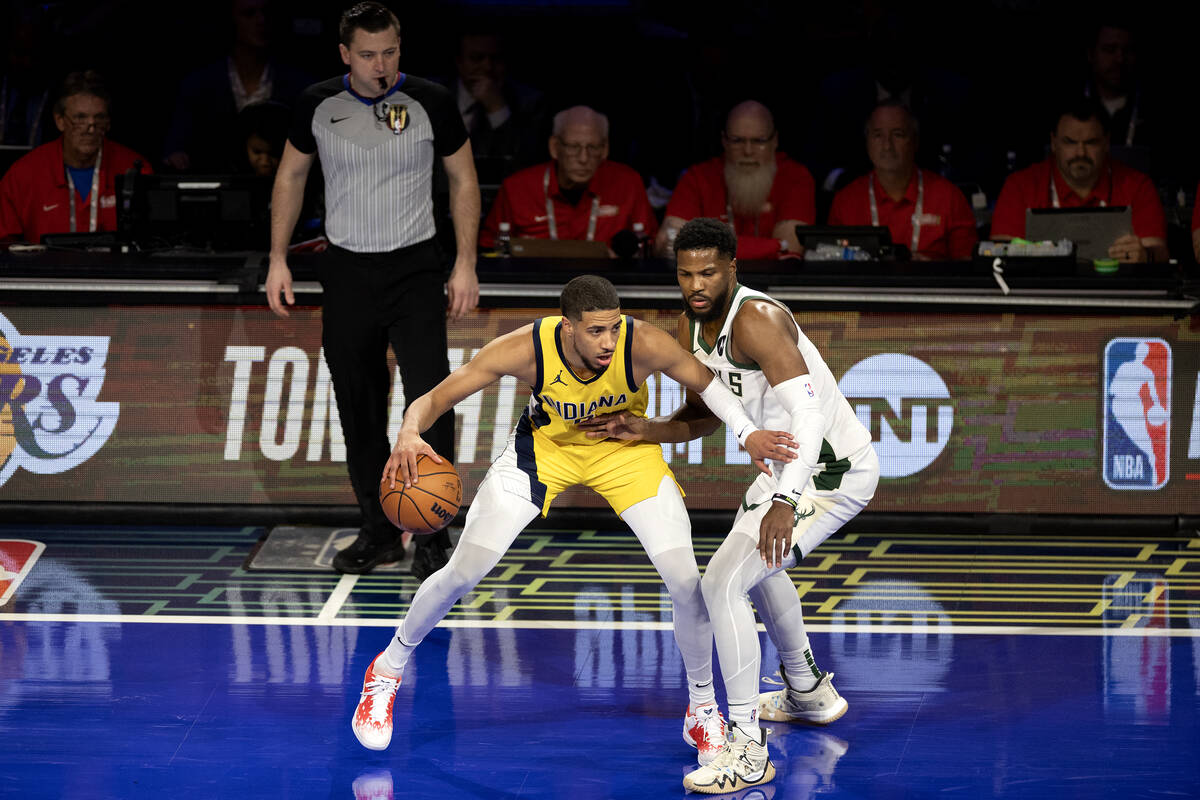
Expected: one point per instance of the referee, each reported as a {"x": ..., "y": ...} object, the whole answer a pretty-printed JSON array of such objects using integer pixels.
[{"x": 377, "y": 132}]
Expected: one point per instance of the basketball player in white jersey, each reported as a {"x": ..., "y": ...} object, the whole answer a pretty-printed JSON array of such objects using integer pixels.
[
  {"x": 755, "y": 347},
  {"x": 590, "y": 358}
]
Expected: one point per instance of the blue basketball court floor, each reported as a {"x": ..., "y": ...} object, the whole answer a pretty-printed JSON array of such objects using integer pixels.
[{"x": 152, "y": 662}]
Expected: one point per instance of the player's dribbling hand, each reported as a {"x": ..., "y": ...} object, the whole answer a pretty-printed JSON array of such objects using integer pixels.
[
  {"x": 618, "y": 425},
  {"x": 402, "y": 464},
  {"x": 766, "y": 446},
  {"x": 775, "y": 534}
]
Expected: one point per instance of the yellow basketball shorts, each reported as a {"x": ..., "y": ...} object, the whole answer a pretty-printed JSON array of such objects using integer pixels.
[{"x": 622, "y": 472}]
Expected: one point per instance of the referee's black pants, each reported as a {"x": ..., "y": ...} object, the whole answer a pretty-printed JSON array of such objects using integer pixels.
[{"x": 371, "y": 300}]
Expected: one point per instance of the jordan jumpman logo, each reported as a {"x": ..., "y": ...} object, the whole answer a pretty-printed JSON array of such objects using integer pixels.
[{"x": 558, "y": 379}]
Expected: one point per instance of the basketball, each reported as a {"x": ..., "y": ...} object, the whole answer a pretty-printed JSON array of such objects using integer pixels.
[{"x": 427, "y": 506}]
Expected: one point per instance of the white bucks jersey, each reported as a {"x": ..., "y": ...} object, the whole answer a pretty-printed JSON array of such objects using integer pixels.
[{"x": 843, "y": 434}]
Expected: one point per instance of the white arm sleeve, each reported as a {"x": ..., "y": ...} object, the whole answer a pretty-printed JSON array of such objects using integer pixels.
[
  {"x": 728, "y": 409},
  {"x": 808, "y": 428}
]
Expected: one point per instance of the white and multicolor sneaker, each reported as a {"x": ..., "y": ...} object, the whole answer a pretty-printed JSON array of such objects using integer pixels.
[
  {"x": 704, "y": 729},
  {"x": 820, "y": 705},
  {"x": 743, "y": 762},
  {"x": 372, "y": 721}
]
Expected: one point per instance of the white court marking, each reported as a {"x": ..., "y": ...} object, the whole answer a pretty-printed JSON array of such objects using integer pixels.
[{"x": 983, "y": 630}]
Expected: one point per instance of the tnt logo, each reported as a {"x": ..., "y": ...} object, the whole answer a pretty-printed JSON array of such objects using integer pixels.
[
  {"x": 905, "y": 405},
  {"x": 50, "y": 419},
  {"x": 1137, "y": 413}
]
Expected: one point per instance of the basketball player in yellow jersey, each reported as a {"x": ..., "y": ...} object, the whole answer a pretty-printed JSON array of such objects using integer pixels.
[{"x": 591, "y": 360}]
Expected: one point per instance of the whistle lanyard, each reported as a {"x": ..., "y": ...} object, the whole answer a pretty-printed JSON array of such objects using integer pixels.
[
  {"x": 93, "y": 196},
  {"x": 591, "y": 231},
  {"x": 917, "y": 213},
  {"x": 1054, "y": 189}
]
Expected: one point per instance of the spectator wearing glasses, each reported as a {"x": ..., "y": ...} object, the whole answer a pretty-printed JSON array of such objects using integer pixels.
[
  {"x": 759, "y": 191},
  {"x": 67, "y": 185},
  {"x": 579, "y": 194},
  {"x": 922, "y": 210}
]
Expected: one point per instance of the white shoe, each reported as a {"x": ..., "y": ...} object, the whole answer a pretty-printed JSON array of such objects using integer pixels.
[
  {"x": 704, "y": 729},
  {"x": 743, "y": 763},
  {"x": 820, "y": 705},
  {"x": 372, "y": 721}
]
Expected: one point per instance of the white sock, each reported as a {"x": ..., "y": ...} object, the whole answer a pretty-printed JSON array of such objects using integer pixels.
[
  {"x": 701, "y": 694},
  {"x": 746, "y": 717},
  {"x": 395, "y": 657},
  {"x": 802, "y": 673}
]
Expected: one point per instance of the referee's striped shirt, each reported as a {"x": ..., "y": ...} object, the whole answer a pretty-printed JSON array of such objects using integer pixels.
[{"x": 377, "y": 183}]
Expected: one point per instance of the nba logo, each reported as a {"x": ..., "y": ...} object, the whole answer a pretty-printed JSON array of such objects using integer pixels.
[
  {"x": 17, "y": 557},
  {"x": 1137, "y": 413}
]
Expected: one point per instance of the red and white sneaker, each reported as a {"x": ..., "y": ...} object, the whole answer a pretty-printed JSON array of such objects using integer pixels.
[
  {"x": 372, "y": 722},
  {"x": 704, "y": 729}
]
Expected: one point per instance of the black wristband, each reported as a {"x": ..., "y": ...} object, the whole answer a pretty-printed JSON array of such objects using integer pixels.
[{"x": 783, "y": 498}]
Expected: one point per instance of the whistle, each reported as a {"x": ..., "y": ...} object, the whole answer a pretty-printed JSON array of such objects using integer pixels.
[{"x": 383, "y": 84}]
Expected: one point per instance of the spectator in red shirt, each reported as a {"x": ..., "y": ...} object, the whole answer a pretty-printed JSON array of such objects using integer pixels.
[
  {"x": 1080, "y": 174},
  {"x": 67, "y": 185},
  {"x": 922, "y": 210},
  {"x": 1196, "y": 225},
  {"x": 578, "y": 194},
  {"x": 762, "y": 193}
]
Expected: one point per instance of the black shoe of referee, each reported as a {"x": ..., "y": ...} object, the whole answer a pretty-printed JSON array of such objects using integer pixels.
[
  {"x": 366, "y": 553},
  {"x": 429, "y": 554}
]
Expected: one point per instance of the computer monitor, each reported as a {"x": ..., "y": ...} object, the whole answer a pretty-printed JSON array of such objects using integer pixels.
[
  {"x": 211, "y": 212},
  {"x": 1092, "y": 230},
  {"x": 876, "y": 240}
]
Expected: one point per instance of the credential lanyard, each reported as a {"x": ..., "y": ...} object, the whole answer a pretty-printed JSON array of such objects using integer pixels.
[
  {"x": 1054, "y": 189},
  {"x": 917, "y": 213},
  {"x": 93, "y": 196},
  {"x": 591, "y": 231}
]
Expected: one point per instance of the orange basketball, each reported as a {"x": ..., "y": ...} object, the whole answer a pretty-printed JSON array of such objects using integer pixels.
[{"x": 427, "y": 506}]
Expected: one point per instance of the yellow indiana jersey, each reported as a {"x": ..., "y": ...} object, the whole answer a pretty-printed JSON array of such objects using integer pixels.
[{"x": 561, "y": 399}]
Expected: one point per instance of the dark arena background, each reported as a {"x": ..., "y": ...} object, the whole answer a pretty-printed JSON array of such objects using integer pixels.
[{"x": 1016, "y": 614}]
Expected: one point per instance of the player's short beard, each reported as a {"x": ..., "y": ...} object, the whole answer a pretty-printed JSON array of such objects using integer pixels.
[
  {"x": 749, "y": 186},
  {"x": 715, "y": 309}
]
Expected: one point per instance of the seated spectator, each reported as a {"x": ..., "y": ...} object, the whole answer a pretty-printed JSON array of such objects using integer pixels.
[
  {"x": 578, "y": 194},
  {"x": 1080, "y": 174},
  {"x": 1113, "y": 80},
  {"x": 1196, "y": 226},
  {"x": 923, "y": 211},
  {"x": 210, "y": 98},
  {"x": 504, "y": 118},
  {"x": 762, "y": 193},
  {"x": 24, "y": 89},
  {"x": 264, "y": 128},
  {"x": 66, "y": 185}
]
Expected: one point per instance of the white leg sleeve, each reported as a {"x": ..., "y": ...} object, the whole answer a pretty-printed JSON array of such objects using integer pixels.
[
  {"x": 662, "y": 526},
  {"x": 735, "y": 568},
  {"x": 495, "y": 519},
  {"x": 779, "y": 608}
]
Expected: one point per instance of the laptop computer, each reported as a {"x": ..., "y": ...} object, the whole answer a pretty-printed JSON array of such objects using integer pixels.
[
  {"x": 876, "y": 240},
  {"x": 1092, "y": 230},
  {"x": 526, "y": 247}
]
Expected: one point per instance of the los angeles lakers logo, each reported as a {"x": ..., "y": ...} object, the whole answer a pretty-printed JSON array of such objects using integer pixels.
[{"x": 50, "y": 417}]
